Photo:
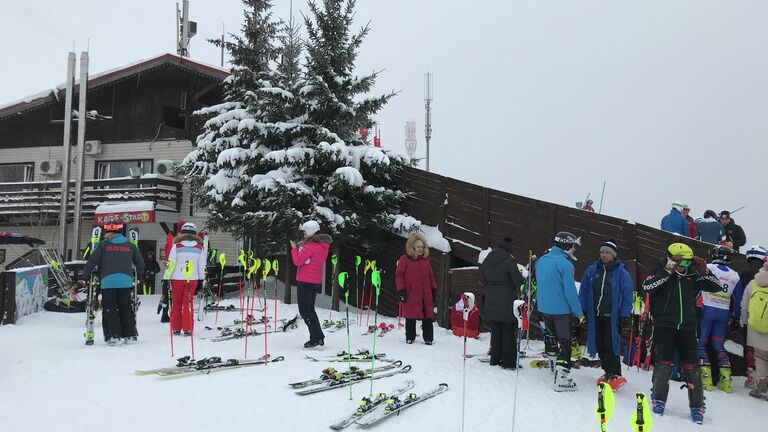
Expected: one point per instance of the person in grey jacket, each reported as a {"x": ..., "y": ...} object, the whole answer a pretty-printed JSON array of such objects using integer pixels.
[
  {"x": 113, "y": 258},
  {"x": 502, "y": 280}
]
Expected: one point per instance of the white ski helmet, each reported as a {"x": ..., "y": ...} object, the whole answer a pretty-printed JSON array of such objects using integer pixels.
[
  {"x": 189, "y": 227},
  {"x": 757, "y": 252}
]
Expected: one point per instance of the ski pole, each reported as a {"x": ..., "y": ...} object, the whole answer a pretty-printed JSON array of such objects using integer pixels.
[
  {"x": 255, "y": 264},
  {"x": 528, "y": 299},
  {"x": 358, "y": 259},
  {"x": 519, "y": 310},
  {"x": 641, "y": 418},
  {"x": 241, "y": 270},
  {"x": 467, "y": 298},
  {"x": 168, "y": 272},
  {"x": 223, "y": 262},
  {"x": 399, "y": 304},
  {"x": 375, "y": 282},
  {"x": 264, "y": 273},
  {"x": 342, "y": 280},
  {"x": 334, "y": 261},
  {"x": 604, "y": 409},
  {"x": 275, "y": 268},
  {"x": 189, "y": 317},
  {"x": 370, "y": 265}
]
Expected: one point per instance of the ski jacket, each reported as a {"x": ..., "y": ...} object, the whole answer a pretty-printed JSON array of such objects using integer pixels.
[
  {"x": 113, "y": 258},
  {"x": 186, "y": 247},
  {"x": 735, "y": 235},
  {"x": 691, "y": 226},
  {"x": 414, "y": 276},
  {"x": 755, "y": 339},
  {"x": 746, "y": 275},
  {"x": 675, "y": 222},
  {"x": 309, "y": 257},
  {"x": 729, "y": 281},
  {"x": 673, "y": 297},
  {"x": 596, "y": 276},
  {"x": 556, "y": 292},
  {"x": 710, "y": 230},
  {"x": 502, "y": 280}
]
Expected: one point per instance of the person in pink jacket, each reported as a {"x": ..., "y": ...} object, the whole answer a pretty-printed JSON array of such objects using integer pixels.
[{"x": 309, "y": 257}]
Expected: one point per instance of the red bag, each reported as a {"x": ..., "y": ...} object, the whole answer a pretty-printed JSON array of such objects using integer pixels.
[{"x": 457, "y": 320}]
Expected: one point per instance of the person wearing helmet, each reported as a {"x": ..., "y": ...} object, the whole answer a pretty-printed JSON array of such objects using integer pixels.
[
  {"x": 309, "y": 257},
  {"x": 675, "y": 222},
  {"x": 715, "y": 316},
  {"x": 588, "y": 206},
  {"x": 673, "y": 288},
  {"x": 559, "y": 303},
  {"x": 734, "y": 234},
  {"x": 113, "y": 258},
  {"x": 187, "y": 248},
  {"x": 756, "y": 256},
  {"x": 709, "y": 229}
]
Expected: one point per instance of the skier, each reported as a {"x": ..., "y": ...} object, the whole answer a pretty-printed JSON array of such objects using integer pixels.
[
  {"x": 756, "y": 256},
  {"x": 715, "y": 316},
  {"x": 415, "y": 282},
  {"x": 734, "y": 235},
  {"x": 673, "y": 289},
  {"x": 187, "y": 247},
  {"x": 674, "y": 222},
  {"x": 559, "y": 302},
  {"x": 502, "y": 280},
  {"x": 113, "y": 258},
  {"x": 151, "y": 268},
  {"x": 709, "y": 230},
  {"x": 309, "y": 257},
  {"x": 606, "y": 299},
  {"x": 754, "y": 318}
]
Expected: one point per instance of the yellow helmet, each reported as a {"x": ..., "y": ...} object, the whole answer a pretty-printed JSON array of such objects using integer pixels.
[{"x": 680, "y": 249}]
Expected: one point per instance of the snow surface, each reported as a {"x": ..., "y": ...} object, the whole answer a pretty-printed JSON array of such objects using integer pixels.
[
  {"x": 128, "y": 206},
  {"x": 51, "y": 381}
]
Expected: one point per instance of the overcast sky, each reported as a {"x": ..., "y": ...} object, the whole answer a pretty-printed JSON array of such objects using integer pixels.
[{"x": 662, "y": 99}]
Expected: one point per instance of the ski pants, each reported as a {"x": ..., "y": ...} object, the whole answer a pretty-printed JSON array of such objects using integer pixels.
[
  {"x": 561, "y": 327},
  {"x": 610, "y": 362},
  {"x": 117, "y": 318},
  {"x": 426, "y": 327},
  {"x": 307, "y": 293},
  {"x": 667, "y": 341},
  {"x": 714, "y": 324},
  {"x": 504, "y": 344},
  {"x": 182, "y": 298}
]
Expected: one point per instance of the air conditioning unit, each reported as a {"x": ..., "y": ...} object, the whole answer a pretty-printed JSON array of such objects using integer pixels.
[
  {"x": 93, "y": 147},
  {"x": 164, "y": 167},
  {"x": 50, "y": 167}
]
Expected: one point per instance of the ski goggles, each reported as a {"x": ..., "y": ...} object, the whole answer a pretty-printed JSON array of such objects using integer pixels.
[
  {"x": 113, "y": 227},
  {"x": 685, "y": 263}
]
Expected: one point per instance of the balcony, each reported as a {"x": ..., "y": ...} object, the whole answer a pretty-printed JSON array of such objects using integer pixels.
[{"x": 38, "y": 203}]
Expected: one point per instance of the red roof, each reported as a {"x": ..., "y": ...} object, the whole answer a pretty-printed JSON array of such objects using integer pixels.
[{"x": 98, "y": 80}]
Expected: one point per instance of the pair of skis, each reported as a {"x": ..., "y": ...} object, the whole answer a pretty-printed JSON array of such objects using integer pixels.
[
  {"x": 346, "y": 380},
  {"x": 395, "y": 404},
  {"x": 239, "y": 333},
  {"x": 187, "y": 367},
  {"x": 330, "y": 374},
  {"x": 641, "y": 420},
  {"x": 362, "y": 355},
  {"x": 382, "y": 328}
]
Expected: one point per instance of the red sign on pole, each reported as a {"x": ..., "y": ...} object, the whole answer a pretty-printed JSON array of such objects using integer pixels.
[{"x": 377, "y": 139}]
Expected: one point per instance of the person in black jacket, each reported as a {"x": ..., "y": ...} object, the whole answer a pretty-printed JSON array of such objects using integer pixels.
[
  {"x": 673, "y": 289},
  {"x": 502, "y": 280},
  {"x": 734, "y": 235}
]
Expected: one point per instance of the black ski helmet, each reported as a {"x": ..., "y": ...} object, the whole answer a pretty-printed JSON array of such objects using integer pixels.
[
  {"x": 565, "y": 240},
  {"x": 721, "y": 254}
]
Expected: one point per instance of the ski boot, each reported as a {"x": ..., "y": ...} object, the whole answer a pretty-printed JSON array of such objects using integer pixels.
[
  {"x": 616, "y": 382},
  {"x": 113, "y": 341},
  {"x": 658, "y": 406},
  {"x": 761, "y": 388},
  {"x": 748, "y": 381},
  {"x": 575, "y": 349},
  {"x": 563, "y": 381},
  {"x": 697, "y": 415},
  {"x": 706, "y": 377},
  {"x": 725, "y": 379}
]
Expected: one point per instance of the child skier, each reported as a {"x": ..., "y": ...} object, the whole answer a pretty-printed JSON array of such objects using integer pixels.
[{"x": 187, "y": 247}]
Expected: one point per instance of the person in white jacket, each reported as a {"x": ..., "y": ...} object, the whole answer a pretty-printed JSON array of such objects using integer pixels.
[{"x": 187, "y": 248}]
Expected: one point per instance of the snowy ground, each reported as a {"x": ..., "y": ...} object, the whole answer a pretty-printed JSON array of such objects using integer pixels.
[{"x": 49, "y": 380}]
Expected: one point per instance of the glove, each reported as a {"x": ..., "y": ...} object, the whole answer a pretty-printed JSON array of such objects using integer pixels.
[
  {"x": 670, "y": 265},
  {"x": 200, "y": 283},
  {"x": 402, "y": 296},
  {"x": 700, "y": 265}
]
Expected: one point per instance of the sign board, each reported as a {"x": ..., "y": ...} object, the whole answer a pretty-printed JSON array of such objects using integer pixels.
[{"x": 126, "y": 217}]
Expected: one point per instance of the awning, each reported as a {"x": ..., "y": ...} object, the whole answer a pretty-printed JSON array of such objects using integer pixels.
[{"x": 130, "y": 212}]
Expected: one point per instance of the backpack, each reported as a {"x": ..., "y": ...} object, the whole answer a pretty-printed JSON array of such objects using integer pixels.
[
  {"x": 758, "y": 309},
  {"x": 473, "y": 319}
]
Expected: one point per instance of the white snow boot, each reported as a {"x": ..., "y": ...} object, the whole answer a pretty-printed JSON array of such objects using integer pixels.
[{"x": 563, "y": 381}]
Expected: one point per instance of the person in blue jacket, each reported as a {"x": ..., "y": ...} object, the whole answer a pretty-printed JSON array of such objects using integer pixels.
[
  {"x": 675, "y": 222},
  {"x": 558, "y": 302},
  {"x": 606, "y": 299}
]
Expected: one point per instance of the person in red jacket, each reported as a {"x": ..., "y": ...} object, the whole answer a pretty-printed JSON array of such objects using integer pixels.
[
  {"x": 309, "y": 257},
  {"x": 415, "y": 285}
]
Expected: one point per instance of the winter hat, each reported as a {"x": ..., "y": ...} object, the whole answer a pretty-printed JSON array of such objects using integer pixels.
[
  {"x": 189, "y": 227},
  {"x": 611, "y": 248},
  {"x": 725, "y": 214},
  {"x": 678, "y": 205},
  {"x": 310, "y": 227},
  {"x": 710, "y": 214},
  {"x": 506, "y": 244}
]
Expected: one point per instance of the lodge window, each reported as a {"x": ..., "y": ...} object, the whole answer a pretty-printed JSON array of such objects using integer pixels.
[
  {"x": 174, "y": 117},
  {"x": 126, "y": 168},
  {"x": 17, "y": 172}
]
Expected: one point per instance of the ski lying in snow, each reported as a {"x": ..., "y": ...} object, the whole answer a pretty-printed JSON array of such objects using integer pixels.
[
  {"x": 218, "y": 367},
  {"x": 356, "y": 379},
  {"x": 395, "y": 405},
  {"x": 367, "y": 405},
  {"x": 386, "y": 329},
  {"x": 183, "y": 363},
  {"x": 333, "y": 374},
  {"x": 338, "y": 325},
  {"x": 240, "y": 333},
  {"x": 229, "y": 308},
  {"x": 227, "y": 329},
  {"x": 360, "y": 356},
  {"x": 576, "y": 364}
]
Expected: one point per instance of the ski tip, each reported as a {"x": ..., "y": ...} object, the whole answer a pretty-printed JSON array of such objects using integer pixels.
[
  {"x": 405, "y": 369},
  {"x": 443, "y": 385}
]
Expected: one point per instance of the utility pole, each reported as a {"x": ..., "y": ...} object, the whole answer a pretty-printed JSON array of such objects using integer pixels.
[
  {"x": 428, "y": 115},
  {"x": 81, "y": 120},
  {"x": 185, "y": 29},
  {"x": 67, "y": 162}
]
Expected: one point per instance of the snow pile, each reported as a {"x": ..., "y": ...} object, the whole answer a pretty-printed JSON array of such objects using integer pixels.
[{"x": 130, "y": 206}]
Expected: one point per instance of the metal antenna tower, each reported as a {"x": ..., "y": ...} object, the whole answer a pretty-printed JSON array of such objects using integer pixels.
[{"x": 428, "y": 115}]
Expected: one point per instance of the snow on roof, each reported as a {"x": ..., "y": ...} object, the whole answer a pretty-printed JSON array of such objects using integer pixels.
[{"x": 128, "y": 206}]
